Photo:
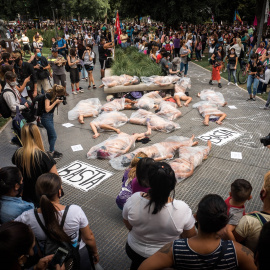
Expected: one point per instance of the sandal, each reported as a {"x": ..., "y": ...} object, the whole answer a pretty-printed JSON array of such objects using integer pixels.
[{"x": 94, "y": 86}]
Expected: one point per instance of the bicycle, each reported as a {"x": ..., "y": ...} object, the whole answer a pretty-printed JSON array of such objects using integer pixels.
[{"x": 242, "y": 74}]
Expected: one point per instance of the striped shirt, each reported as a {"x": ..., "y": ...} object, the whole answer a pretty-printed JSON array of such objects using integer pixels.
[{"x": 185, "y": 258}]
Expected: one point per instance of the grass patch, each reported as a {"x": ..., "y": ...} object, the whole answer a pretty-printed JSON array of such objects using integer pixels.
[
  {"x": 3, "y": 121},
  {"x": 45, "y": 52},
  {"x": 129, "y": 61}
]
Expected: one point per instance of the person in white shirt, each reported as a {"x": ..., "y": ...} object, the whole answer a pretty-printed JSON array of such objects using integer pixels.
[
  {"x": 266, "y": 81},
  {"x": 156, "y": 218}
]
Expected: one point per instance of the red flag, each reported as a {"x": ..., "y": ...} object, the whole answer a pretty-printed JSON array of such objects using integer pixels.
[
  {"x": 255, "y": 21},
  {"x": 117, "y": 25}
]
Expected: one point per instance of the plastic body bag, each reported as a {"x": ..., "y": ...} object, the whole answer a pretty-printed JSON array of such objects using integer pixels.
[
  {"x": 117, "y": 104},
  {"x": 158, "y": 123},
  {"x": 160, "y": 80},
  {"x": 213, "y": 97},
  {"x": 145, "y": 103},
  {"x": 157, "y": 151},
  {"x": 114, "y": 146},
  {"x": 112, "y": 81},
  {"x": 189, "y": 159},
  {"x": 168, "y": 110},
  {"x": 85, "y": 108},
  {"x": 113, "y": 119},
  {"x": 207, "y": 108}
]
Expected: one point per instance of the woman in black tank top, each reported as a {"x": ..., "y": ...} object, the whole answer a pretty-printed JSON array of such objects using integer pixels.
[{"x": 232, "y": 65}]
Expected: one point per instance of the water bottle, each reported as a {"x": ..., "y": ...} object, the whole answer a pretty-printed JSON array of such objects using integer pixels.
[{"x": 36, "y": 108}]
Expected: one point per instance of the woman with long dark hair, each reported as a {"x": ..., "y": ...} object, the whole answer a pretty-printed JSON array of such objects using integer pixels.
[
  {"x": 49, "y": 190},
  {"x": 205, "y": 250},
  {"x": 155, "y": 217},
  {"x": 11, "y": 188}
]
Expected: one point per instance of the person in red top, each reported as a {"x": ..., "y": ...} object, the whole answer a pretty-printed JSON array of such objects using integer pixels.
[
  {"x": 240, "y": 193},
  {"x": 159, "y": 56}
]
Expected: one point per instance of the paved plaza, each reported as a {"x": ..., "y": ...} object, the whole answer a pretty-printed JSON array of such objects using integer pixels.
[{"x": 213, "y": 176}]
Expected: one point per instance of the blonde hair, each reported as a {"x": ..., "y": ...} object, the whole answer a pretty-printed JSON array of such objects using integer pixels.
[
  {"x": 239, "y": 42},
  {"x": 32, "y": 142},
  {"x": 57, "y": 90},
  {"x": 266, "y": 184},
  {"x": 189, "y": 36},
  {"x": 133, "y": 165}
]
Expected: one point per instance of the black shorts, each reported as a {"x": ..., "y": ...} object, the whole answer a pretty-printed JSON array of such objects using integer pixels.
[
  {"x": 74, "y": 75},
  {"x": 89, "y": 68},
  {"x": 102, "y": 64},
  {"x": 26, "y": 47}
]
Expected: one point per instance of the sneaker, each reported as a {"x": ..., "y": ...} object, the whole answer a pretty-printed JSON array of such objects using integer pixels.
[
  {"x": 86, "y": 79},
  {"x": 74, "y": 92},
  {"x": 259, "y": 94},
  {"x": 89, "y": 87},
  {"x": 229, "y": 83},
  {"x": 265, "y": 108},
  {"x": 40, "y": 125},
  {"x": 253, "y": 99},
  {"x": 81, "y": 91},
  {"x": 236, "y": 84},
  {"x": 249, "y": 99},
  {"x": 57, "y": 155},
  {"x": 210, "y": 82},
  {"x": 219, "y": 85}
]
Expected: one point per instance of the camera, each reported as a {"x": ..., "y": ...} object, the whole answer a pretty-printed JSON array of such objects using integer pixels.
[
  {"x": 265, "y": 140},
  {"x": 64, "y": 99}
]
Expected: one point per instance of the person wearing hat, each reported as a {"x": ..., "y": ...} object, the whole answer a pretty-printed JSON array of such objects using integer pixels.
[{"x": 57, "y": 64}]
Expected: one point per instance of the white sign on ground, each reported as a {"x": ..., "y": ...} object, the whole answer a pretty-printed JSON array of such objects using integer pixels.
[
  {"x": 82, "y": 175},
  {"x": 77, "y": 147},
  {"x": 67, "y": 125},
  {"x": 232, "y": 107},
  {"x": 236, "y": 155},
  {"x": 220, "y": 136}
]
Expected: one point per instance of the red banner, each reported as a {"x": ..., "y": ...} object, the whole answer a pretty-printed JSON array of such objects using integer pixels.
[{"x": 117, "y": 25}]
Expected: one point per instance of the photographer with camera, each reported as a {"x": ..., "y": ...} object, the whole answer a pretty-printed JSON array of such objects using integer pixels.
[
  {"x": 53, "y": 98},
  {"x": 41, "y": 67}
]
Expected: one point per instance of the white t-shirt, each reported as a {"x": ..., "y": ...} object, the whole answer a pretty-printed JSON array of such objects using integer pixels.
[
  {"x": 75, "y": 220},
  {"x": 151, "y": 232}
]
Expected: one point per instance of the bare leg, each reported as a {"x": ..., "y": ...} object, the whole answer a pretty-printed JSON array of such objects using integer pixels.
[
  {"x": 177, "y": 99},
  {"x": 187, "y": 99},
  {"x": 108, "y": 127},
  {"x": 225, "y": 103},
  {"x": 82, "y": 116},
  {"x": 222, "y": 117},
  {"x": 94, "y": 129},
  {"x": 140, "y": 136},
  {"x": 206, "y": 120},
  {"x": 102, "y": 85},
  {"x": 127, "y": 100}
]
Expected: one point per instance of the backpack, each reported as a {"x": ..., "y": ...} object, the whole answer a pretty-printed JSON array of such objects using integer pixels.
[
  {"x": 168, "y": 47},
  {"x": 40, "y": 100},
  {"x": 72, "y": 262},
  {"x": 17, "y": 123},
  {"x": 67, "y": 67},
  {"x": 259, "y": 217},
  {"x": 4, "y": 109}
]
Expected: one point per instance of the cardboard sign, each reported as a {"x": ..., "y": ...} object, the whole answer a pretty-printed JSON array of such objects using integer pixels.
[
  {"x": 82, "y": 175},
  {"x": 220, "y": 136}
]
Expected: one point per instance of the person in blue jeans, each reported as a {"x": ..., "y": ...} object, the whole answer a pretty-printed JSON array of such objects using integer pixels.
[
  {"x": 184, "y": 52},
  {"x": 51, "y": 102},
  {"x": 253, "y": 68}
]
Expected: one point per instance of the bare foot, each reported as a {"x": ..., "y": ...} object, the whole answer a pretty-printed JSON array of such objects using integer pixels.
[
  {"x": 149, "y": 130},
  {"x": 206, "y": 123},
  {"x": 219, "y": 122},
  {"x": 118, "y": 131},
  {"x": 195, "y": 143},
  {"x": 102, "y": 85},
  {"x": 224, "y": 104},
  {"x": 199, "y": 94},
  {"x": 192, "y": 137},
  {"x": 128, "y": 106},
  {"x": 186, "y": 104},
  {"x": 80, "y": 119},
  {"x": 180, "y": 105},
  {"x": 209, "y": 144},
  {"x": 96, "y": 135}
]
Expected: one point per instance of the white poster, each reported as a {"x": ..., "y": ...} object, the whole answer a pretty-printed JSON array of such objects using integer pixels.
[
  {"x": 82, "y": 175},
  {"x": 220, "y": 136}
]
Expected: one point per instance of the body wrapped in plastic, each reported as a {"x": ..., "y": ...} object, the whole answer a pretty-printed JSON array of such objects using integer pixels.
[
  {"x": 148, "y": 101},
  {"x": 85, "y": 107},
  {"x": 160, "y": 80},
  {"x": 140, "y": 117},
  {"x": 157, "y": 151},
  {"x": 124, "y": 79},
  {"x": 117, "y": 104},
  {"x": 213, "y": 97},
  {"x": 114, "y": 146},
  {"x": 181, "y": 87},
  {"x": 168, "y": 110},
  {"x": 189, "y": 159},
  {"x": 207, "y": 108},
  {"x": 113, "y": 119}
]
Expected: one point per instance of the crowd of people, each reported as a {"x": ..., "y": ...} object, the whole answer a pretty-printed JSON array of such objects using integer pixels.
[{"x": 162, "y": 231}]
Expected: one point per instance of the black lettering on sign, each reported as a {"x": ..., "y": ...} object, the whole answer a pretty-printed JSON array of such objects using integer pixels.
[
  {"x": 69, "y": 169},
  {"x": 219, "y": 135},
  {"x": 94, "y": 180},
  {"x": 79, "y": 175}
]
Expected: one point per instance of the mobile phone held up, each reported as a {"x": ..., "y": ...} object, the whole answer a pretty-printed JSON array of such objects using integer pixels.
[{"x": 59, "y": 257}]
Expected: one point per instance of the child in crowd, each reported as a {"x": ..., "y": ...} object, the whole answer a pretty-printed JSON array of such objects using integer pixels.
[
  {"x": 129, "y": 175},
  {"x": 240, "y": 193}
]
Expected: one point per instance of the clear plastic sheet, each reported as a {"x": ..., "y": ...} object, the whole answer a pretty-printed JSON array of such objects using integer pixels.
[
  {"x": 158, "y": 151},
  {"x": 160, "y": 80},
  {"x": 189, "y": 159},
  {"x": 124, "y": 79},
  {"x": 181, "y": 87},
  {"x": 145, "y": 103},
  {"x": 114, "y": 146},
  {"x": 168, "y": 110},
  {"x": 85, "y": 107},
  {"x": 117, "y": 104},
  {"x": 154, "y": 95},
  {"x": 213, "y": 97},
  {"x": 113, "y": 119},
  {"x": 158, "y": 123},
  {"x": 207, "y": 108}
]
